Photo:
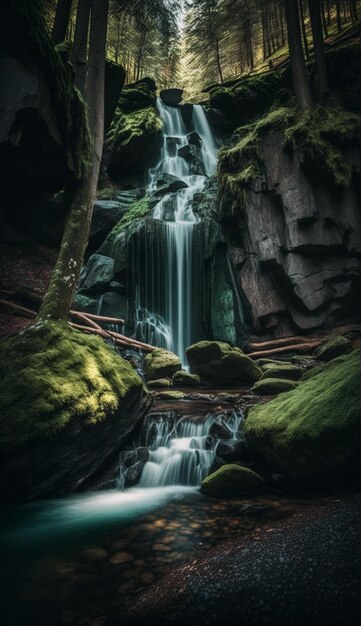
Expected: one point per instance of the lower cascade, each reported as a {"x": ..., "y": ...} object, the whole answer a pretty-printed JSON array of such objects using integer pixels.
[{"x": 182, "y": 452}]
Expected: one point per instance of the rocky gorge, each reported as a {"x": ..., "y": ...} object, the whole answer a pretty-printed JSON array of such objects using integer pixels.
[{"x": 198, "y": 412}]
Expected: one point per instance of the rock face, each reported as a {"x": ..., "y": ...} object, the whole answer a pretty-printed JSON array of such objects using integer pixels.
[
  {"x": 314, "y": 429},
  {"x": 297, "y": 245},
  {"x": 217, "y": 363}
]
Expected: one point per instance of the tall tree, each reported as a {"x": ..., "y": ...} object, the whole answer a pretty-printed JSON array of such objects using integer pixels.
[
  {"x": 298, "y": 65},
  {"x": 319, "y": 50},
  {"x": 79, "y": 53},
  {"x": 61, "y": 21},
  {"x": 58, "y": 298}
]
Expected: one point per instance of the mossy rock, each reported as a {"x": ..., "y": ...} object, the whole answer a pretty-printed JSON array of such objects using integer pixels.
[
  {"x": 288, "y": 371},
  {"x": 272, "y": 386},
  {"x": 217, "y": 363},
  {"x": 159, "y": 383},
  {"x": 315, "y": 428},
  {"x": 161, "y": 363},
  {"x": 171, "y": 395},
  {"x": 264, "y": 361},
  {"x": 334, "y": 347},
  {"x": 50, "y": 374},
  {"x": 232, "y": 480},
  {"x": 185, "y": 379}
]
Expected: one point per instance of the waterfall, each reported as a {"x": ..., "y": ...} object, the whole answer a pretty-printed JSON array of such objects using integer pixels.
[
  {"x": 175, "y": 319},
  {"x": 182, "y": 454}
]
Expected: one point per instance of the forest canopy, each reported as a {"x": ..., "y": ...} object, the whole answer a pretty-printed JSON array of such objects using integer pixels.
[{"x": 196, "y": 43}]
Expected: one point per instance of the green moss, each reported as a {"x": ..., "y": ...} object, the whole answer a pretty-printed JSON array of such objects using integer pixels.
[
  {"x": 232, "y": 480},
  {"x": 137, "y": 211},
  {"x": 137, "y": 97},
  {"x": 49, "y": 374},
  {"x": 24, "y": 31},
  {"x": 319, "y": 135},
  {"x": 185, "y": 379},
  {"x": 218, "y": 363},
  {"x": 315, "y": 428},
  {"x": 127, "y": 126},
  {"x": 273, "y": 385},
  {"x": 286, "y": 370},
  {"x": 161, "y": 363},
  {"x": 333, "y": 347}
]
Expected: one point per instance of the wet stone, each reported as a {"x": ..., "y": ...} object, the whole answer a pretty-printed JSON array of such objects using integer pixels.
[{"x": 121, "y": 557}]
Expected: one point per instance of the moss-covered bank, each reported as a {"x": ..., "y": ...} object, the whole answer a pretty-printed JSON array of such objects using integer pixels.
[
  {"x": 50, "y": 374},
  {"x": 320, "y": 136},
  {"x": 316, "y": 428}
]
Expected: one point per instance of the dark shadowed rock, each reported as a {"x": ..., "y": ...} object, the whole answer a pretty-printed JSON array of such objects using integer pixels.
[{"x": 171, "y": 97}]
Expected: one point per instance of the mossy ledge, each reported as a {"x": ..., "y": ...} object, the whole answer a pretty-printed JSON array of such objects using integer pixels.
[
  {"x": 316, "y": 428},
  {"x": 49, "y": 374},
  {"x": 319, "y": 135}
]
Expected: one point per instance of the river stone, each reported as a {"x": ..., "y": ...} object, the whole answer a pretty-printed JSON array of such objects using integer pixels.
[
  {"x": 333, "y": 348},
  {"x": 218, "y": 363},
  {"x": 171, "y": 395},
  {"x": 272, "y": 386},
  {"x": 232, "y": 480},
  {"x": 185, "y": 379},
  {"x": 161, "y": 363},
  {"x": 186, "y": 110},
  {"x": 314, "y": 429},
  {"x": 291, "y": 372},
  {"x": 160, "y": 382}
]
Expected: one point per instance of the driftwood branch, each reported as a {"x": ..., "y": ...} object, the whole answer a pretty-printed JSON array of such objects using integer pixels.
[
  {"x": 298, "y": 347},
  {"x": 89, "y": 326}
]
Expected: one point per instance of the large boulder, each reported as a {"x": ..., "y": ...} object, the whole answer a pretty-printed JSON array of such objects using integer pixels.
[
  {"x": 232, "y": 480},
  {"x": 161, "y": 363},
  {"x": 217, "y": 363},
  {"x": 333, "y": 347},
  {"x": 68, "y": 404},
  {"x": 98, "y": 273},
  {"x": 314, "y": 429}
]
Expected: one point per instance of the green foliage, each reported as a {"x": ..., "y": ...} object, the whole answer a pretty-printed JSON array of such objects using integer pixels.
[
  {"x": 49, "y": 374},
  {"x": 315, "y": 428},
  {"x": 23, "y": 30}
]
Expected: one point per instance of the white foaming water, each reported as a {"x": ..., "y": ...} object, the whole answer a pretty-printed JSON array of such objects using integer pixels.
[
  {"x": 180, "y": 454},
  {"x": 179, "y": 233}
]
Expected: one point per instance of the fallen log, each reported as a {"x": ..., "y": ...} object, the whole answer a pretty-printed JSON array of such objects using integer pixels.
[
  {"x": 298, "y": 347},
  {"x": 279, "y": 342}
]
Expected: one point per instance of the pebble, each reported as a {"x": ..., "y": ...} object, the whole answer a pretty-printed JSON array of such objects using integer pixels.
[{"x": 121, "y": 557}]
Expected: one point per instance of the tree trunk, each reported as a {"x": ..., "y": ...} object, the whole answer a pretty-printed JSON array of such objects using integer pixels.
[
  {"x": 338, "y": 16},
  {"x": 58, "y": 298},
  {"x": 323, "y": 17},
  {"x": 303, "y": 27},
  {"x": 218, "y": 56},
  {"x": 353, "y": 11},
  {"x": 61, "y": 21},
  {"x": 80, "y": 45},
  {"x": 298, "y": 66},
  {"x": 319, "y": 51}
]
